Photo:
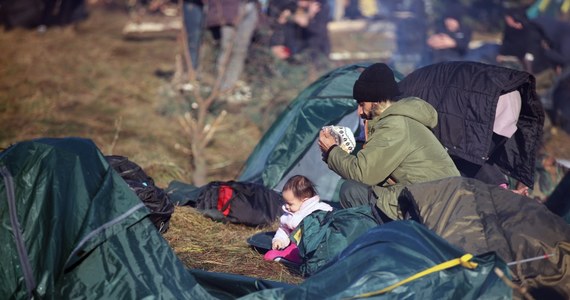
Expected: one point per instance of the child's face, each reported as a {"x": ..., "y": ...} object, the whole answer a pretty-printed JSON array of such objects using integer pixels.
[{"x": 292, "y": 203}]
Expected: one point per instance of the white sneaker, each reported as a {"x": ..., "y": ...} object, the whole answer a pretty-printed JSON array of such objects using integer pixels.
[{"x": 241, "y": 93}]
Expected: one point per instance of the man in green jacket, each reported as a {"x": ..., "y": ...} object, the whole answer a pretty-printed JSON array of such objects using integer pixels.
[{"x": 400, "y": 148}]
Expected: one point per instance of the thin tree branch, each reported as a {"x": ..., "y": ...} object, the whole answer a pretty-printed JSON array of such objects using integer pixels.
[{"x": 210, "y": 130}]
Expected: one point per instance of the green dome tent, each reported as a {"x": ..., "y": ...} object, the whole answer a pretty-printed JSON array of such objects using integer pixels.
[
  {"x": 289, "y": 147},
  {"x": 72, "y": 228}
]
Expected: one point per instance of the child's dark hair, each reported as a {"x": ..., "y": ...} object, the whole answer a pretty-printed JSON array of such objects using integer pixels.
[{"x": 301, "y": 187}]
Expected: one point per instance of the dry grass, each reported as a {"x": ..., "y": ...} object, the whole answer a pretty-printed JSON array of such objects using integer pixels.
[
  {"x": 77, "y": 83},
  {"x": 204, "y": 244}
]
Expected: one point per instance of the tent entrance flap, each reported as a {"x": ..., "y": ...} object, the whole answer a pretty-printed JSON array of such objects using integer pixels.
[{"x": 311, "y": 163}]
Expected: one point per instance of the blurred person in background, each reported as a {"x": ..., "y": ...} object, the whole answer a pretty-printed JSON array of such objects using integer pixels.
[
  {"x": 352, "y": 10},
  {"x": 42, "y": 13},
  {"x": 300, "y": 30},
  {"x": 542, "y": 47},
  {"x": 451, "y": 38},
  {"x": 556, "y": 44},
  {"x": 193, "y": 16},
  {"x": 337, "y": 8},
  {"x": 523, "y": 40},
  {"x": 411, "y": 23},
  {"x": 232, "y": 23}
]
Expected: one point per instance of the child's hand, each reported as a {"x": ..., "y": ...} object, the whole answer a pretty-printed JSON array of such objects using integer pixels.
[{"x": 277, "y": 245}]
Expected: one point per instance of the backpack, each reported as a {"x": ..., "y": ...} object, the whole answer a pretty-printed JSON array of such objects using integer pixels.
[
  {"x": 154, "y": 198},
  {"x": 240, "y": 202},
  {"x": 322, "y": 235}
]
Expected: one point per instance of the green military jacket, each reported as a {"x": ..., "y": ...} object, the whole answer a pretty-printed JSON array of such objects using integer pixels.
[{"x": 400, "y": 146}]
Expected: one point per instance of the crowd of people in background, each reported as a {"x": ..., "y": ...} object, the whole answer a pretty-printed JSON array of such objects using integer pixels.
[
  {"x": 297, "y": 28},
  {"x": 299, "y": 33},
  {"x": 535, "y": 37}
]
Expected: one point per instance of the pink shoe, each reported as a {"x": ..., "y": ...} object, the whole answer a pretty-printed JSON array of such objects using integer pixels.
[{"x": 291, "y": 253}]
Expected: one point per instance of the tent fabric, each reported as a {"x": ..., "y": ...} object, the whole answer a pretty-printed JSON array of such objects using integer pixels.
[
  {"x": 182, "y": 193},
  {"x": 83, "y": 232},
  {"x": 323, "y": 234},
  {"x": 232, "y": 286},
  {"x": 480, "y": 218},
  {"x": 292, "y": 136},
  {"x": 390, "y": 253},
  {"x": 311, "y": 163}
]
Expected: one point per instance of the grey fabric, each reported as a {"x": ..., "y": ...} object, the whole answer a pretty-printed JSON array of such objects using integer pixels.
[
  {"x": 480, "y": 218},
  {"x": 234, "y": 45}
]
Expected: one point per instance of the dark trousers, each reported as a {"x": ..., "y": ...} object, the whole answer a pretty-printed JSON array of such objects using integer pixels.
[
  {"x": 193, "y": 23},
  {"x": 353, "y": 193}
]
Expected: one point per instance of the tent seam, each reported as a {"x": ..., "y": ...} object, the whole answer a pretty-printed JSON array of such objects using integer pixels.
[
  {"x": 17, "y": 232},
  {"x": 102, "y": 228}
]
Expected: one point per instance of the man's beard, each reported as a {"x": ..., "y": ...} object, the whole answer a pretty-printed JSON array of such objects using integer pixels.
[
  {"x": 374, "y": 112},
  {"x": 365, "y": 116}
]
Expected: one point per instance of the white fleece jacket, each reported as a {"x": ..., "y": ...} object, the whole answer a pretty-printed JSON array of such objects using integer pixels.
[{"x": 289, "y": 221}]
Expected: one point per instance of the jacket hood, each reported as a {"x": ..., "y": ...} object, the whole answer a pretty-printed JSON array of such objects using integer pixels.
[
  {"x": 414, "y": 108},
  {"x": 465, "y": 95}
]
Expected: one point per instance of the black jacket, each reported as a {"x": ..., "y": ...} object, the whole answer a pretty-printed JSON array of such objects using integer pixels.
[
  {"x": 529, "y": 40},
  {"x": 465, "y": 95},
  {"x": 558, "y": 35},
  {"x": 462, "y": 37}
]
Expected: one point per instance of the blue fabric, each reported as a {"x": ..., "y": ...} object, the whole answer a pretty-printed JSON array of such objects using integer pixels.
[
  {"x": 193, "y": 23},
  {"x": 393, "y": 252}
]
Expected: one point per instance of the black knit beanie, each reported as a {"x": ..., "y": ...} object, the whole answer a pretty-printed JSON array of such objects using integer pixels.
[{"x": 375, "y": 84}]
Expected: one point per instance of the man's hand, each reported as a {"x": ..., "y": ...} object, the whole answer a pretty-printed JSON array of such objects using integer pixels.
[
  {"x": 326, "y": 140},
  {"x": 441, "y": 41},
  {"x": 284, "y": 16},
  {"x": 281, "y": 51},
  {"x": 314, "y": 8},
  {"x": 521, "y": 189}
]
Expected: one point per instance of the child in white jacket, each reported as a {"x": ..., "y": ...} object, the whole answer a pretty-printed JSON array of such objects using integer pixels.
[{"x": 301, "y": 199}]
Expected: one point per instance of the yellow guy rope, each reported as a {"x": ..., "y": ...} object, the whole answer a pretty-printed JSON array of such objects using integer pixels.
[{"x": 462, "y": 261}]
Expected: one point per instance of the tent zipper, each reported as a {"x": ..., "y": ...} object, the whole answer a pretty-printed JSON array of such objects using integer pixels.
[
  {"x": 17, "y": 231},
  {"x": 101, "y": 229}
]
